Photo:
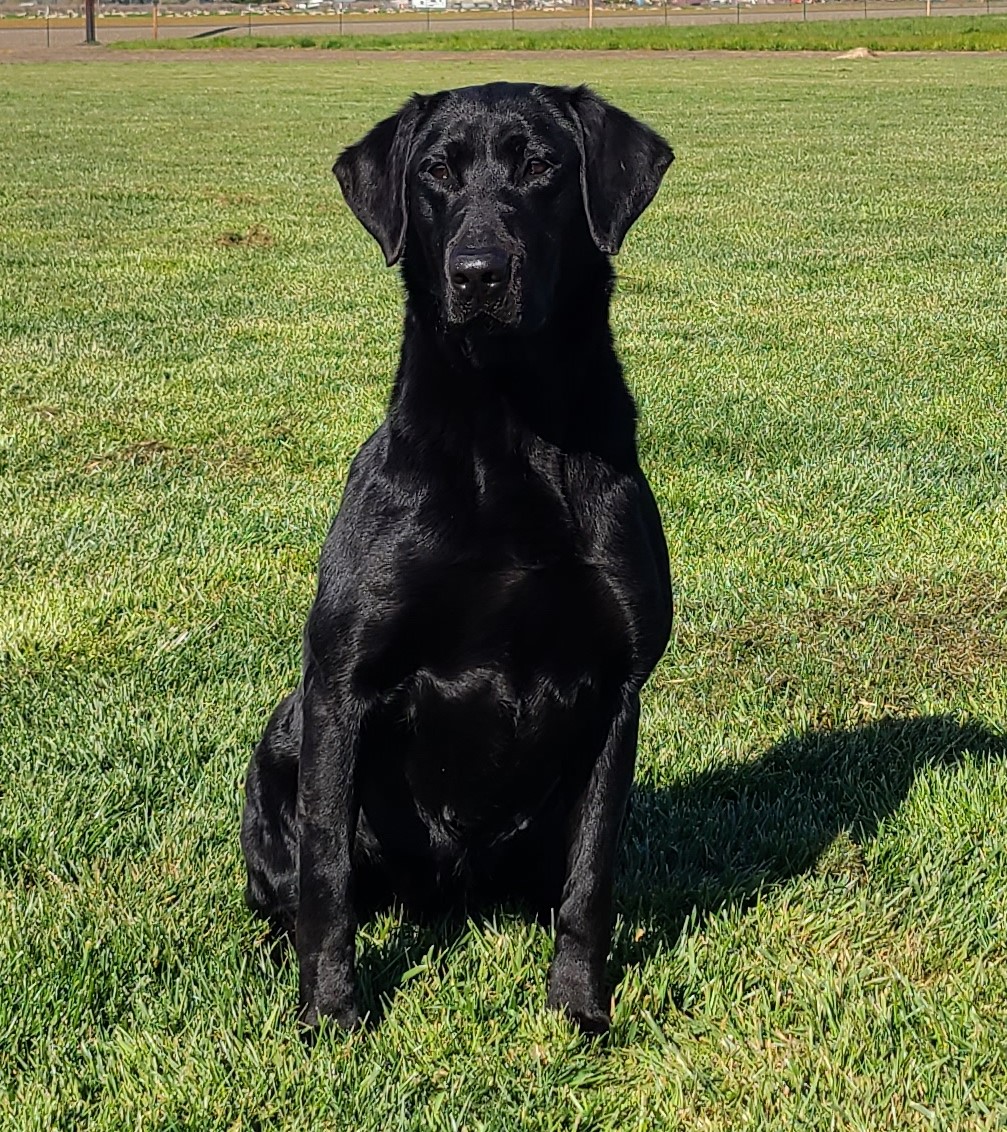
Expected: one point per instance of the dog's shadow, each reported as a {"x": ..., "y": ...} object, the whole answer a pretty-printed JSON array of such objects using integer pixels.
[
  {"x": 811, "y": 802},
  {"x": 727, "y": 835}
]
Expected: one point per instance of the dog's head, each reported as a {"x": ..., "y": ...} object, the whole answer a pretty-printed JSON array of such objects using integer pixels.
[{"x": 486, "y": 190}]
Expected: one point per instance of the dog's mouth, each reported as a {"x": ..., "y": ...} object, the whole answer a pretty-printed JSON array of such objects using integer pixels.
[
  {"x": 496, "y": 318},
  {"x": 485, "y": 321}
]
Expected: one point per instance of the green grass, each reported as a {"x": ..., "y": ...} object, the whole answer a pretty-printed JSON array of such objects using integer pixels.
[
  {"x": 195, "y": 336},
  {"x": 953, "y": 33}
]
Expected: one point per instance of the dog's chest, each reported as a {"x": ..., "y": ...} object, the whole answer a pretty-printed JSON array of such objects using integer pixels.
[
  {"x": 510, "y": 678},
  {"x": 557, "y": 624}
]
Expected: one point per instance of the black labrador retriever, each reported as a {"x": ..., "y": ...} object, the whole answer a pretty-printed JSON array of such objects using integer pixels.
[{"x": 494, "y": 590}]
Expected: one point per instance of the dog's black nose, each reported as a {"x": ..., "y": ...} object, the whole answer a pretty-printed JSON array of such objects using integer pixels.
[{"x": 478, "y": 274}]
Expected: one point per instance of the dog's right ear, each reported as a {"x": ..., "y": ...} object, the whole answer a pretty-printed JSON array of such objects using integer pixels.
[{"x": 372, "y": 175}]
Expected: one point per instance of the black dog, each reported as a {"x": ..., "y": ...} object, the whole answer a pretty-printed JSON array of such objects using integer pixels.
[{"x": 494, "y": 591}]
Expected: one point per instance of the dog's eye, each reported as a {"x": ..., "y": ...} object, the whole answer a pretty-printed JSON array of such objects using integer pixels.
[
  {"x": 536, "y": 167},
  {"x": 439, "y": 171}
]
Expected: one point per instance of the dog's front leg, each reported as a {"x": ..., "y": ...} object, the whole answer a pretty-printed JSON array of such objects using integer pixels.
[
  {"x": 327, "y": 816},
  {"x": 584, "y": 922}
]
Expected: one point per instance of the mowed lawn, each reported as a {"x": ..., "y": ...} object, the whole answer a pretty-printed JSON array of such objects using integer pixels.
[{"x": 195, "y": 336}]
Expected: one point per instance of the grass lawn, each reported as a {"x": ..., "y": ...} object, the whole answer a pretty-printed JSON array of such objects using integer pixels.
[
  {"x": 953, "y": 33},
  {"x": 195, "y": 336}
]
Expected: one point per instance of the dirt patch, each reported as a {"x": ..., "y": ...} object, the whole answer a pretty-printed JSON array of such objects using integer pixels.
[
  {"x": 135, "y": 455},
  {"x": 46, "y": 412},
  {"x": 221, "y": 455},
  {"x": 858, "y": 53},
  {"x": 256, "y": 236},
  {"x": 232, "y": 199}
]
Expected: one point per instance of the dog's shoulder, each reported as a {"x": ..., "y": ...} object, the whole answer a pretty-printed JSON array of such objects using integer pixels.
[{"x": 358, "y": 523}]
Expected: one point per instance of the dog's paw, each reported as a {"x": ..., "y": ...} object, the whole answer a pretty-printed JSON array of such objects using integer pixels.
[
  {"x": 579, "y": 997},
  {"x": 592, "y": 1020},
  {"x": 345, "y": 1015}
]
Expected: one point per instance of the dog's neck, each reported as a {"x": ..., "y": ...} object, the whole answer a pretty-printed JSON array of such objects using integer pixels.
[{"x": 561, "y": 384}]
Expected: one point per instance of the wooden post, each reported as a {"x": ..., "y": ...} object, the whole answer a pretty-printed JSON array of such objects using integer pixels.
[
  {"x": 89, "y": 14},
  {"x": 590, "y": 13},
  {"x": 153, "y": 18}
]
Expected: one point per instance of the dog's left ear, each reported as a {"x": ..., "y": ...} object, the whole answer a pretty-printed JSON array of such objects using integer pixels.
[
  {"x": 372, "y": 175},
  {"x": 622, "y": 162}
]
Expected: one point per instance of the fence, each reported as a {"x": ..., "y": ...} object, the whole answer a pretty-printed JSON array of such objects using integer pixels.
[{"x": 63, "y": 26}]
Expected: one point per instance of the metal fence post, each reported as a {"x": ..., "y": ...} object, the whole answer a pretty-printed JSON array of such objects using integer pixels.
[{"x": 89, "y": 33}]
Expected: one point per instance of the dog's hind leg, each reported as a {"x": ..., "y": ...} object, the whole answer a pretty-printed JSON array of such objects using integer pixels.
[{"x": 269, "y": 823}]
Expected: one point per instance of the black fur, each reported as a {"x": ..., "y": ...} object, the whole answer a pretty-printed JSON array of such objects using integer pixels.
[{"x": 494, "y": 590}]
